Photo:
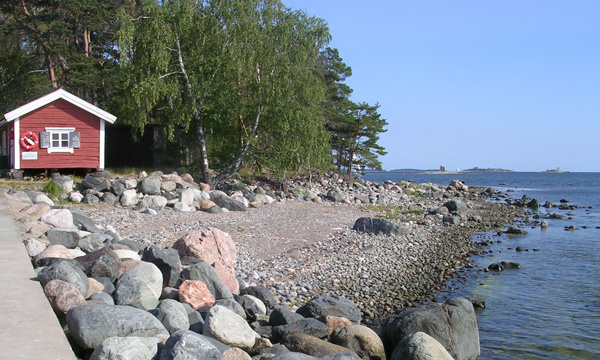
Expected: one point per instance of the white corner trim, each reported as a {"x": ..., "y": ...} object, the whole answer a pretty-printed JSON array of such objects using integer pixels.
[
  {"x": 17, "y": 143},
  {"x": 102, "y": 145},
  {"x": 60, "y": 94}
]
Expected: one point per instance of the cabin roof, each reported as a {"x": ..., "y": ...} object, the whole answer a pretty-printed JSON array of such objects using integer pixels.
[{"x": 53, "y": 96}]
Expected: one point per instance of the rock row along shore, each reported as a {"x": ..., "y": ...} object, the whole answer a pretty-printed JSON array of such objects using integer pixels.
[{"x": 208, "y": 295}]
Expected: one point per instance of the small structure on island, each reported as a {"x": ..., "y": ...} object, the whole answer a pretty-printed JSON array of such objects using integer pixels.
[{"x": 56, "y": 131}]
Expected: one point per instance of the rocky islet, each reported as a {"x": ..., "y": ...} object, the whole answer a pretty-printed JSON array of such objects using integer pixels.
[{"x": 365, "y": 272}]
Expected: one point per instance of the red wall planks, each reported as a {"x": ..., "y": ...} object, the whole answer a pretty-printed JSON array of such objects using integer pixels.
[{"x": 63, "y": 114}]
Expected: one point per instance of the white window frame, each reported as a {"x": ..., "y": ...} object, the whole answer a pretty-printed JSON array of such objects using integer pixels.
[{"x": 52, "y": 149}]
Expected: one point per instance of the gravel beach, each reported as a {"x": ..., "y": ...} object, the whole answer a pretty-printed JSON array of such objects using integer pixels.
[{"x": 299, "y": 249}]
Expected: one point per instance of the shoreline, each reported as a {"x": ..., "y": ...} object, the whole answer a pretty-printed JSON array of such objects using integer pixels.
[{"x": 381, "y": 274}]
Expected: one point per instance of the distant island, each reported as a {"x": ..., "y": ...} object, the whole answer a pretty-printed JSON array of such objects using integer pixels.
[
  {"x": 556, "y": 171},
  {"x": 440, "y": 171}
]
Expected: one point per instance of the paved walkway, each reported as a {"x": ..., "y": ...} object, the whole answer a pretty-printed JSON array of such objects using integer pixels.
[{"x": 29, "y": 328}]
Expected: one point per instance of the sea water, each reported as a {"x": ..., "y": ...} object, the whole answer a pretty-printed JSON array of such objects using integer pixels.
[{"x": 550, "y": 308}]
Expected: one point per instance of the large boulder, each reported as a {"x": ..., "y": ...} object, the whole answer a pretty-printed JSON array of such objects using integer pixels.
[
  {"x": 364, "y": 341},
  {"x": 457, "y": 206},
  {"x": 210, "y": 245},
  {"x": 68, "y": 271},
  {"x": 187, "y": 345},
  {"x": 337, "y": 195},
  {"x": 168, "y": 262},
  {"x": 261, "y": 293},
  {"x": 129, "y": 198},
  {"x": 202, "y": 271},
  {"x": 227, "y": 202},
  {"x": 331, "y": 305},
  {"x": 154, "y": 202},
  {"x": 283, "y": 316},
  {"x": 140, "y": 286},
  {"x": 91, "y": 325},
  {"x": 63, "y": 296},
  {"x": 64, "y": 183},
  {"x": 150, "y": 185},
  {"x": 58, "y": 218},
  {"x": 52, "y": 252},
  {"x": 377, "y": 226},
  {"x": 127, "y": 348},
  {"x": 452, "y": 323},
  {"x": 90, "y": 182},
  {"x": 312, "y": 327},
  {"x": 420, "y": 346},
  {"x": 173, "y": 315},
  {"x": 229, "y": 328},
  {"x": 312, "y": 346},
  {"x": 94, "y": 242},
  {"x": 68, "y": 237}
]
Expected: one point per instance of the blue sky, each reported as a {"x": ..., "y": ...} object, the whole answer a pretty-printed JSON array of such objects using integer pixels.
[{"x": 505, "y": 84}]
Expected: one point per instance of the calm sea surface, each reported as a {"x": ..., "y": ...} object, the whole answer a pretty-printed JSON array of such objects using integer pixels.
[{"x": 550, "y": 308}]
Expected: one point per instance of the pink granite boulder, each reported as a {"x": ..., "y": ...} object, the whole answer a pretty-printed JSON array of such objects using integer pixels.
[
  {"x": 63, "y": 296},
  {"x": 196, "y": 294},
  {"x": 210, "y": 245}
]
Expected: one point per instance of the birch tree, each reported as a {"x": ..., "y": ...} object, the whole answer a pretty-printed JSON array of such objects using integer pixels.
[{"x": 240, "y": 75}]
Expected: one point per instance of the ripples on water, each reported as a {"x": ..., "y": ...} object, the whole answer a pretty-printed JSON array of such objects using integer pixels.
[{"x": 550, "y": 308}]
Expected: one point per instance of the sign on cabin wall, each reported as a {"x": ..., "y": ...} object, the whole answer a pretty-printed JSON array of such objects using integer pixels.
[{"x": 29, "y": 155}]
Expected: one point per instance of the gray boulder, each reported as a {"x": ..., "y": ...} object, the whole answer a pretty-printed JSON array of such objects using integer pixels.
[
  {"x": 377, "y": 226},
  {"x": 232, "y": 305},
  {"x": 67, "y": 237},
  {"x": 229, "y": 328},
  {"x": 83, "y": 222},
  {"x": 457, "y": 206},
  {"x": 91, "y": 199},
  {"x": 94, "y": 242},
  {"x": 110, "y": 199},
  {"x": 291, "y": 355},
  {"x": 127, "y": 348},
  {"x": 336, "y": 195},
  {"x": 341, "y": 356},
  {"x": 167, "y": 261},
  {"x": 103, "y": 262},
  {"x": 118, "y": 187},
  {"x": 140, "y": 286},
  {"x": 420, "y": 346},
  {"x": 172, "y": 315},
  {"x": 129, "y": 198},
  {"x": 187, "y": 345},
  {"x": 65, "y": 183},
  {"x": 202, "y": 271},
  {"x": 261, "y": 293},
  {"x": 452, "y": 323},
  {"x": 91, "y": 325},
  {"x": 154, "y": 202},
  {"x": 312, "y": 327},
  {"x": 196, "y": 322},
  {"x": 91, "y": 182},
  {"x": 66, "y": 271},
  {"x": 364, "y": 341},
  {"x": 150, "y": 185},
  {"x": 282, "y": 316},
  {"x": 331, "y": 305},
  {"x": 228, "y": 203},
  {"x": 103, "y": 297},
  {"x": 312, "y": 346}
]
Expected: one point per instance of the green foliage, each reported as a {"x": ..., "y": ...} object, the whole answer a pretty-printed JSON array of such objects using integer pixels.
[
  {"x": 354, "y": 128},
  {"x": 233, "y": 83},
  {"x": 392, "y": 212},
  {"x": 52, "y": 189}
]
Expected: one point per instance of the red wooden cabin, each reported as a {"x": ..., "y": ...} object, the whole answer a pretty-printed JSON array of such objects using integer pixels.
[{"x": 56, "y": 131}]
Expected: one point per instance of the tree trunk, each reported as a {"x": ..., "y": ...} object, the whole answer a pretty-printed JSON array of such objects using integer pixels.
[{"x": 204, "y": 168}]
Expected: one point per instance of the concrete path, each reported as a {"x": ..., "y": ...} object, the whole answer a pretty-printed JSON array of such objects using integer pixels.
[{"x": 29, "y": 328}]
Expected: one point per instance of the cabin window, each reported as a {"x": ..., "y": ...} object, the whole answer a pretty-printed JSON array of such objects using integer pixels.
[{"x": 59, "y": 140}]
